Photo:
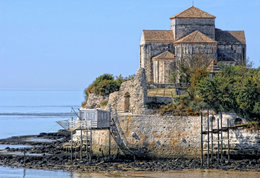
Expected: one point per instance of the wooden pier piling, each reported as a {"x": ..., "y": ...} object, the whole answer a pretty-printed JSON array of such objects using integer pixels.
[
  {"x": 201, "y": 143},
  {"x": 208, "y": 137}
]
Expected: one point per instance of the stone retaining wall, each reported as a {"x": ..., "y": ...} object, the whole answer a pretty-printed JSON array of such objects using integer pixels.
[{"x": 170, "y": 136}]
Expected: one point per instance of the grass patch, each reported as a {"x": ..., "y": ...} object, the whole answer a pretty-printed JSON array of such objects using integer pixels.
[{"x": 164, "y": 92}]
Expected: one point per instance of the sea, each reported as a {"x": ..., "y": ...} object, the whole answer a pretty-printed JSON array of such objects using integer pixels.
[{"x": 33, "y": 111}]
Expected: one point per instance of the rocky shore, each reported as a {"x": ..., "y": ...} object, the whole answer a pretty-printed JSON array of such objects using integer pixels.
[{"x": 45, "y": 151}]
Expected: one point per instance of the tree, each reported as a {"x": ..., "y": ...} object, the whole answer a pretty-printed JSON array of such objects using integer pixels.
[
  {"x": 234, "y": 88},
  {"x": 187, "y": 66}
]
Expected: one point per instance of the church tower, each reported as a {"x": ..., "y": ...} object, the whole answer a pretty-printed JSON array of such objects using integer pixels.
[{"x": 190, "y": 20}]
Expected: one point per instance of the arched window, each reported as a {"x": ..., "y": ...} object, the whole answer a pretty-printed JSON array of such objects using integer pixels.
[{"x": 127, "y": 102}]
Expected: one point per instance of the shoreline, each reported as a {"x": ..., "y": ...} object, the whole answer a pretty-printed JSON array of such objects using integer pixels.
[{"x": 45, "y": 152}]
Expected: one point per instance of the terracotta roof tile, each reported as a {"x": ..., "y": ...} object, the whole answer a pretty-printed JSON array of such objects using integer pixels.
[
  {"x": 196, "y": 37},
  {"x": 193, "y": 12},
  {"x": 230, "y": 36},
  {"x": 165, "y": 55},
  {"x": 158, "y": 36}
]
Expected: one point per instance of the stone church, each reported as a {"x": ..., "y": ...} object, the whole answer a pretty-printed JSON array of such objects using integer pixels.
[{"x": 192, "y": 32}]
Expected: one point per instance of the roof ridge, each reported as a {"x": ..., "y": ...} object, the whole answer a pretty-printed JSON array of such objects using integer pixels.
[
  {"x": 190, "y": 38},
  {"x": 158, "y": 36},
  {"x": 157, "y": 30},
  {"x": 196, "y": 33},
  {"x": 193, "y": 12},
  {"x": 165, "y": 55}
]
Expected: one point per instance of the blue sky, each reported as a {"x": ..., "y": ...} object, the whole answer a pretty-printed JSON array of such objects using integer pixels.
[{"x": 66, "y": 44}]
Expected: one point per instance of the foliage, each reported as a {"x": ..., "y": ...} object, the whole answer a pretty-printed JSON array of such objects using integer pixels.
[
  {"x": 181, "y": 106},
  {"x": 106, "y": 84},
  {"x": 253, "y": 125},
  {"x": 186, "y": 67},
  {"x": 104, "y": 103},
  {"x": 235, "y": 88}
]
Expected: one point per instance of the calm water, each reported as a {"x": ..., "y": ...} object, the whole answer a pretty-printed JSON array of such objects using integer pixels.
[
  {"x": 29, "y": 112},
  {"x": 26, "y": 112}
]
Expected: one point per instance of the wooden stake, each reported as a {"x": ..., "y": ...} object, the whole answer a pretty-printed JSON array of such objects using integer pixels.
[
  {"x": 90, "y": 146},
  {"x": 201, "y": 134},
  {"x": 81, "y": 144},
  {"x": 109, "y": 133},
  {"x": 221, "y": 137},
  {"x": 208, "y": 136},
  {"x": 218, "y": 141},
  {"x": 228, "y": 140},
  {"x": 71, "y": 156},
  {"x": 87, "y": 142},
  {"x": 211, "y": 123}
]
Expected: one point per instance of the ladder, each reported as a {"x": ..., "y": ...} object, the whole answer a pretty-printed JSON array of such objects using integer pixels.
[
  {"x": 88, "y": 143},
  {"x": 119, "y": 137}
]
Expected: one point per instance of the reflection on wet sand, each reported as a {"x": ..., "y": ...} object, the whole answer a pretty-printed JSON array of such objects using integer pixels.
[{"x": 173, "y": 174}]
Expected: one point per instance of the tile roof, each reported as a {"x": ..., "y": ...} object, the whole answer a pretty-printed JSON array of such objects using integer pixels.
[
  {"x": 165, "y": 55},
  {"x": 158, "y": 36},
  {"x": 230, "y": 36},
  {"x": 196, "y": 37},
  {"x": 193, "y": 12}
]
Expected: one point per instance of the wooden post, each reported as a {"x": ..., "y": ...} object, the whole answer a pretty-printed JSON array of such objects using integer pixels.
[
  {"x": 109, "y": 143},
  {"x": 228, "y": 140},
  {"x": 87, "y": 142},
  {"x": 211, "y": 123},
  {"x": 201, "y": 134},
  {"x": 208, "y": 136},
  {"x": 81, "y": 144},
  {"x": 218, "y": 140},
  {"x": 71, "y": 146},
  {"x": 109, "y": 133},
  {"x": 24, "y": 153},
  {"x": 90, "y": 145},
  {"x": 221, "y": 137}
]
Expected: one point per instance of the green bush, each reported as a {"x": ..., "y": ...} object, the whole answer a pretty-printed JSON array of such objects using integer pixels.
[
  {"x": 104, "y": 103},
  {"x": 235, "y": 88},
  {"x": 106, "y": 84}
]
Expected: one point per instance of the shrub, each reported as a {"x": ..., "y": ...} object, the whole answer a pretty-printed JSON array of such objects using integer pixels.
[
  {"x": 105, "y": 84},
  {"x": 104, "y": 103}
]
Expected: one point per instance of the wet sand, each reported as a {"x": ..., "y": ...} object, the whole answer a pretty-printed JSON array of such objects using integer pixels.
[{"x": 198, "y": 173}]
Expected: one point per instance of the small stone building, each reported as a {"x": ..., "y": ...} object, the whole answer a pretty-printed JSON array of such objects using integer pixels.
[
  {"x": 163, "y": 66},
  {"x": 192, "y": 32}
]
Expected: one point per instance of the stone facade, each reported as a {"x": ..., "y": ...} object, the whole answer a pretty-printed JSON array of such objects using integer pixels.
[
  {"x": 172, "y": 136},
  {"x": 132, "y": 95},
  {"x": 222, "y": 46},
  {"x": 184, "y": 26},
  {"x": 186, "y": 50},
  {"x": 95, "y": 101},
  {"x": 150, "y": 50}
]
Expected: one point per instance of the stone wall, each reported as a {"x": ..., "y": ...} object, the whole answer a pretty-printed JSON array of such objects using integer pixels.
[
  {"x": 162, "y": 70},
  {"x": 94, "y": 101},
  {"x": 235, "y": 52},
  {"x": 149, "y": 50},
  {"x": 158, "y": 99},
  {"x": 154, "y": 136},
  {"x": 185, "y": 26},
  {"x": 170, "y": 136},
  {"x": 132, "y": 95},
  {"x": 187, "y": 50}
]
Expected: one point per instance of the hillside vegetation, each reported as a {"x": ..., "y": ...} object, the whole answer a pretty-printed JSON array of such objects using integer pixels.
[
  {"x": 105, "y": 84},
  {"x": 233, "y": 88}
]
